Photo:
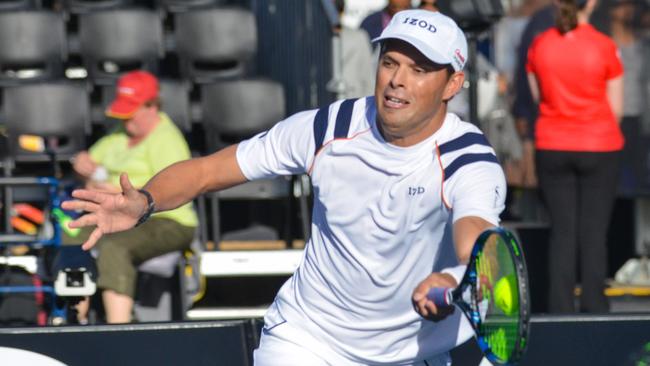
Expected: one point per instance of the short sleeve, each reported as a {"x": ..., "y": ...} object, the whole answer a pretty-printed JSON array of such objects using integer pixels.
[
  {"x": 287, "y": 148},
  {"x": 479, "y": 190},
  {"x": 613, "y": 63}
]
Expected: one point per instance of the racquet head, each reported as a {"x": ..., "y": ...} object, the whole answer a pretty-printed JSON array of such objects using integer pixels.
[{"x": 494, "y": 295}]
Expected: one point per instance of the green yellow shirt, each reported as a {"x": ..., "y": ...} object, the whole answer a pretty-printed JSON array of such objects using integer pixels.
[{"x": 164, "y": 146}]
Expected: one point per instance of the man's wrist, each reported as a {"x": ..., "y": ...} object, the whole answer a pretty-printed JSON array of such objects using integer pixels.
[
  {"x": 457, "y": 272},
  {"x": 150, "y": 207}
]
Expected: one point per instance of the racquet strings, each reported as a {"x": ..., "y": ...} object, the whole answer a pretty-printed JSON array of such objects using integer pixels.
[{"x": 497, "y": 298}]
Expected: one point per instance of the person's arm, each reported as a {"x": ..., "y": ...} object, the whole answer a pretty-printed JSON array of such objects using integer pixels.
[
  {"x": 615, "y": 96},
  {"x": 171, "y": 188},
  {"x": 466, "y": 231},
  {"x": 182, "y": 181},
  {"x": 534, "y": 87},
  {"x": 83, "y": 164}
]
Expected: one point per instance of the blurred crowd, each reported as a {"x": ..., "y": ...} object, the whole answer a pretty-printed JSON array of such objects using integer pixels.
[{"x": 506, "y": 111}]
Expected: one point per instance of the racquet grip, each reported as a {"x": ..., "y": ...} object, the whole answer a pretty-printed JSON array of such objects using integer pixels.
[{"x": 441, "y": 296}]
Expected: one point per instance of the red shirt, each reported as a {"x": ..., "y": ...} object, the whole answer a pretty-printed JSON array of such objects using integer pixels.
[{"x": 572, "y": 71}]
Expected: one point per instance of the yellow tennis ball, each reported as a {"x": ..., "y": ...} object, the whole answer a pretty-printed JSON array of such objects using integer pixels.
[{"x": 505, "y": 295}]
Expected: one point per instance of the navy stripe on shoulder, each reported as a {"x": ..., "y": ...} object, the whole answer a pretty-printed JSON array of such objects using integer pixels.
[
  {"x": 466, "y": 159},
  {"x": 320, "y": 127},
  {"x": 343, "y": 119},
  {"x": 463, "y": 141}
]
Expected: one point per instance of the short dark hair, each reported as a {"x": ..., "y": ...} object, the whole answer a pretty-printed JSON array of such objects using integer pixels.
[
  {"x": 428, "y": 2},
  {"x": 450, "y": 70},
  {"x": 448, "y": 67}
]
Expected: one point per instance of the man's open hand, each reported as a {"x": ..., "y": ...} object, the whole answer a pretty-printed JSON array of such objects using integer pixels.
[{"x": 108, "y": 212}]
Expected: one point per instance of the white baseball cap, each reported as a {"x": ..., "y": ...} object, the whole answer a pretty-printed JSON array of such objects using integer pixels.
[{"x": 435, "y": 35}]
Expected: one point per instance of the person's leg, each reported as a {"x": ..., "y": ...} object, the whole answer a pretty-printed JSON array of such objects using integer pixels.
[
  {"x": 276, "y": 350},
  {"x": 118, "y": 306},
  {"x": 597, "y": 192},
  {"x": 631, "y": 164},
  {"x": 121, "y": 253},
  {"x": 160, "y": 236},
  {"x": 117, "y": 276},
  {"x": 557, "y": 184}
]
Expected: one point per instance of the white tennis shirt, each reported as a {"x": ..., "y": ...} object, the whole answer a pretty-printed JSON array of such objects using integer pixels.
[{"x": 382, "y": 221}]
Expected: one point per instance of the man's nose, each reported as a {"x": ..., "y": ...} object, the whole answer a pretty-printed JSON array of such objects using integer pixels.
[{"x": 398, "y": 78}]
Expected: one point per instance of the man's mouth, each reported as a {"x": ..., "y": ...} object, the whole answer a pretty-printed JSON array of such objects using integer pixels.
[{"x": 394, "y": 102}]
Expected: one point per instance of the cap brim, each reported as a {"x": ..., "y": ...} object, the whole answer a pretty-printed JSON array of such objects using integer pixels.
[
  {"x": 122, "y": 108},
  {"x": 420, "y": 46}
]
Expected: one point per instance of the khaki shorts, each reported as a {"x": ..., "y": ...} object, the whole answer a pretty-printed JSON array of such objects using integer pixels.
[{"x": 121, "y": 253}]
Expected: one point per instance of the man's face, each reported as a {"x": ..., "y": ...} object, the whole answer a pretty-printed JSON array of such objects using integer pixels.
[
  {"x": 410, "y": 90},
  {"x": 398, "y": 5}
]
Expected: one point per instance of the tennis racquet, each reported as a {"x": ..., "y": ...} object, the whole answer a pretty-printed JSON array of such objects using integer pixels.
[{"x": 494, "y": 296}]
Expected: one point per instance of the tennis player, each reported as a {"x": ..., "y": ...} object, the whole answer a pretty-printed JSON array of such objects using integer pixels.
[{"x": 402, "y": 189}]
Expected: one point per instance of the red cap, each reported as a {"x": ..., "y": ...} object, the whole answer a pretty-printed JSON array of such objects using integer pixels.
[{"x": 133, "y": 90}]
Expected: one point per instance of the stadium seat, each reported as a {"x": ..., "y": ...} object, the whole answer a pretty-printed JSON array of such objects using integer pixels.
[
  {"x": 58, "y": 111},
  {"x": 180, "y": 6},
  {"x": 214, "y": 43},
  {"x": 240, "y": 108},
  {"x": 234, "y": 110},
  {"x": 87, "y": 6},
  {"x": 32, "y": 46},
  {"x": 11, "y": 5},
  {"x": 116, "y": 41}
]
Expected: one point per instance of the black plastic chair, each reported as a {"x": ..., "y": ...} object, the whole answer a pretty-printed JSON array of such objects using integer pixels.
[
  {"x": 12, "y": 5},
  {"x": 215, "y": 43},
  {"x": 180, "y": 6},
  {"x": 113, "y": 42},
  {"x": 234, "y": 110},
  {"x": 32, "y": 46},
  {"x": 240, "y": 108},
  {"x": 88, "y": 6},
  {"x": 56, "y": 111}
]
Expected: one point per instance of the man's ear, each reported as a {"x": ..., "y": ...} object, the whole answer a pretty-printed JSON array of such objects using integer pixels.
[{"x": 454, "y": 84}]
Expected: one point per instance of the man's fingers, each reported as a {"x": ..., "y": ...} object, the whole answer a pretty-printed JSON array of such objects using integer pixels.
[
  {"x": 431, "y": 307},
  {"x": 88, "y": 195},
  {"x": 92, "y": 239},
  {"x": 83, "y": 221},
  {"x": 78, "y": 205},
  {"x": 125, "y": 183},
  {"x": 422, "y": 309}
]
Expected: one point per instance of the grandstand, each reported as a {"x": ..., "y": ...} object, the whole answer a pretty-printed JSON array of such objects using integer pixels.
[{"x": 228, "y": 69}]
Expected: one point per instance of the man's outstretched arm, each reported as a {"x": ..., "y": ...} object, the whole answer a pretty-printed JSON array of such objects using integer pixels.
[
  {"x": 170, "y": 188},
  {"x": 466, "y": 231},
  {"x": 181, "y": 182}
]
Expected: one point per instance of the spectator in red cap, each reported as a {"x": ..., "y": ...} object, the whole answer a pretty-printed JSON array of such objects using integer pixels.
[{"x": 145, "y": 142}]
